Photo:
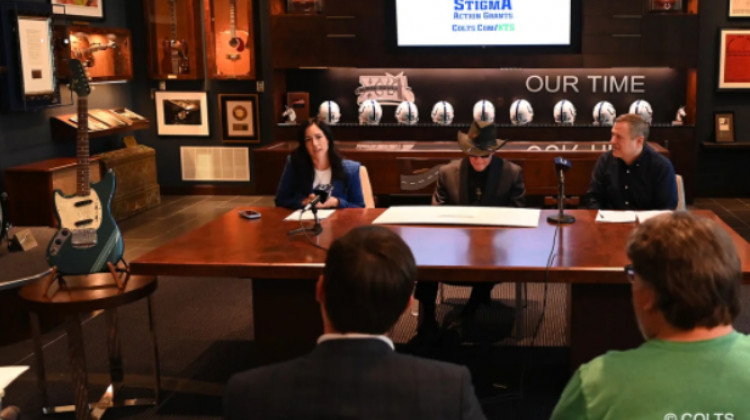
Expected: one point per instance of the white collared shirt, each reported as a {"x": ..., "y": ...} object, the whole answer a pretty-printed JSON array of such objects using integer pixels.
[{"x": 355, "y": 336}]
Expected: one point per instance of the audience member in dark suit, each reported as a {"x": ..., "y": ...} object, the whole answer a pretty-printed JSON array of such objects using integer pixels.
[
  {"x": 632, "y": 176},
  {"x": 685, "y": 277},
  {"x": 354, "y": 372},
  {"x": 479, "y": 179}
]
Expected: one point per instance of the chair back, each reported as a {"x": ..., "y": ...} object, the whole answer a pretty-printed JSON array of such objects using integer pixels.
[
  {"x": 680, "y": 193},
  {"x": 364, "y": 179}
]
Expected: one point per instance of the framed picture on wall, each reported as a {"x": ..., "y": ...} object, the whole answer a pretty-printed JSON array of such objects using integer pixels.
[
  {"x": 239, "y": 118},
  {"x": 739, "y": 8},
  {"x": 724, "y": 127},
  {"x": 181, "y": 113},
  {"x": 93, "y": 9},
  {"x": 734, "y": 59}
]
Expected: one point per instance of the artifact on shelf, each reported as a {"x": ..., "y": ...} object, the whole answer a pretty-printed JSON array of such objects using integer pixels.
[{"x": 104, "y": 52}]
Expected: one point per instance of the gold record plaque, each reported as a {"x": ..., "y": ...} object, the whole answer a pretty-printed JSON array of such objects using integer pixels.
[{"x": 239, "y": 118}]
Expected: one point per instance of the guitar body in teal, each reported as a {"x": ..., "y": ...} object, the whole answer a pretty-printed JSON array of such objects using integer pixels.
[{"x": 88, "y": 237}]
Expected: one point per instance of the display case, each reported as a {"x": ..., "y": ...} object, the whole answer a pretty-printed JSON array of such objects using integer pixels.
[
  {"x": 104, "y": 52},
  {"x": 230, "y": 43},
  {"x": 174, "y": 41}
]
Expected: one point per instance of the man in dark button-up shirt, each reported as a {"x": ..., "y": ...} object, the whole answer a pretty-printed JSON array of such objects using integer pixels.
[{"x": 632, "y": 176}]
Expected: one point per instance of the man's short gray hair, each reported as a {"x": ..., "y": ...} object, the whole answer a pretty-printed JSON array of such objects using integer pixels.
[{"x": 638, "y": 126}]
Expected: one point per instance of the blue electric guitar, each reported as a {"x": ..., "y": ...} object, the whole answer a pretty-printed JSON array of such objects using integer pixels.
[{"x": 88, "y": 240}]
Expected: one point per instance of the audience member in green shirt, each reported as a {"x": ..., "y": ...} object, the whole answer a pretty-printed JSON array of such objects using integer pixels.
[{"x": 685, "y": 277}]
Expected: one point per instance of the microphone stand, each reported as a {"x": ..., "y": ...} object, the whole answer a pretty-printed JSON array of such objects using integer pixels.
[
  {"x": 315, "y": 230},
  {"x": 561, "y": 217}
]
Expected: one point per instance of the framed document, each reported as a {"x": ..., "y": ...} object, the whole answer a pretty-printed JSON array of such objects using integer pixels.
[
  {"x": 239, "y": 118},
  {"x": 181, "y": 113},
  {"x": 27, "y": 60},
  {"x": 739, "y": 8},
  {"x": 93, "y": 9},
  {"x": 734, "y": 59},
  {"x": 37, "y": 63},
  {"x": 724, "y": 127}
]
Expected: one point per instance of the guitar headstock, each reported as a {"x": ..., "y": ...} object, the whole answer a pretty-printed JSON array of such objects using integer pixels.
[{"x": 79, "y": 82}]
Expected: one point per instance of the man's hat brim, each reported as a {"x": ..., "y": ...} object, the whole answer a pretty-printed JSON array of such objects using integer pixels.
[{"x": 481, "y": 140}]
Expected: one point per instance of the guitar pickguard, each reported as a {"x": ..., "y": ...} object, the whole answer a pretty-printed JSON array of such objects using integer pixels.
[{"x": 79, "y": 212}]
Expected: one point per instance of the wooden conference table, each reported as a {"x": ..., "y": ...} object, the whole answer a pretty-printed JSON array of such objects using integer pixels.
[{"x": 589, "y": 257}]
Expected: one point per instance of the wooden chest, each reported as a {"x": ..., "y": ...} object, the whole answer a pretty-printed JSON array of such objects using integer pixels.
[
  {"x": 135, "y": 171},
  {"x": 30, "y": 189}
]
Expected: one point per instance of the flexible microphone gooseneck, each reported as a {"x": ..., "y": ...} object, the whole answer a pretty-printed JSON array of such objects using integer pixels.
[
  {"x": 562, "y": 165},
  {"x": 322, "y": 192}
]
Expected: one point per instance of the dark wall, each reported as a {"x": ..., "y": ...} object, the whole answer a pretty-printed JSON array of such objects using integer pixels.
[
  {"x": 168, "y": 147},
  {"x": 721, "y": 172},
  {"x": 25, "y": 136}
]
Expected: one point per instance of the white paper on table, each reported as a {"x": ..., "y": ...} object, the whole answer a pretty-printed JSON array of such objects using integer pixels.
[
  {"x": 460, "y": 215},
  {"x": 615, "y": 216},
  {"x": 9, "y": 374},
  {"x": 645, "y": 215},
  {"x": 322, "y": 214}
]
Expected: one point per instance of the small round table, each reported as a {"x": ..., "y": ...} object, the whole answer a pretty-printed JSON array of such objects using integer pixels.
[{"x": 83, "y": 294}]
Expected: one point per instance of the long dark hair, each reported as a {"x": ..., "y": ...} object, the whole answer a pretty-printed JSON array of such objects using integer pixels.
[{"x": 303, "y": 162}]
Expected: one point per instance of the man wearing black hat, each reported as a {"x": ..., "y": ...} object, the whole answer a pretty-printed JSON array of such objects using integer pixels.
[{"x": 480, "y": 179}]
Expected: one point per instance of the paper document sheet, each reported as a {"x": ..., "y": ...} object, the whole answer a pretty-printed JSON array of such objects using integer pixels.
[
  {"x": 460, "y": 215},
  {"x": 322, "y": 214},
  {"x": 627, "y": 216},
  {"x": 9, "y": 374}
]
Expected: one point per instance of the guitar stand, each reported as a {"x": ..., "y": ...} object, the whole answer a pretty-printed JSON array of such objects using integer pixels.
[
  {"x": 120, "y": 275},
  {"x": 315, "y": 230}
]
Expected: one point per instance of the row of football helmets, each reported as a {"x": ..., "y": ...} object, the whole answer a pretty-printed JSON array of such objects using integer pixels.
[{"x": 521, "y": 112}]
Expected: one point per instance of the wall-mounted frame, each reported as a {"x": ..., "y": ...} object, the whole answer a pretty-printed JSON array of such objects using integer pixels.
[
  {"x": 104, "y": 52},
  {"x": 734, "y": 59},
  {"x": 93, "y": 9},
  {"x": 181, "y": 113},
  {"x": 739, "y": 8},
  {"x": 174, "y": 41},
  {"x": 239, "y": 118},
  {"x": 26, "y": 54},
  {"x": 724, "y": 127},
  {"x": 230, "y": 44}
]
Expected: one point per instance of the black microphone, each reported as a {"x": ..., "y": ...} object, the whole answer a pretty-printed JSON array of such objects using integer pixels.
[
  {"x": 322, "y": 192},
  {"x": 561, "y": 166}
]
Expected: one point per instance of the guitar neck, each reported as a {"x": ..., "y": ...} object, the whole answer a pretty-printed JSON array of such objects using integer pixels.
[
  {"x": 232, "y": 18},
  {"x": 82, "y": 148},
  {"x": 174, "y": 18}
]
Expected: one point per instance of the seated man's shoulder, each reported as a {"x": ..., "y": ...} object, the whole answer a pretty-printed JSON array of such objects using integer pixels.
[
  {"x": 659, "y": 158},
  {"x": 431, "y": 367},
  {"x": 263, "y": 373}
]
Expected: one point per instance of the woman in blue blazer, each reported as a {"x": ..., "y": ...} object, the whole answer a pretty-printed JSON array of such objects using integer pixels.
[{"x": 316, "y": 162}]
